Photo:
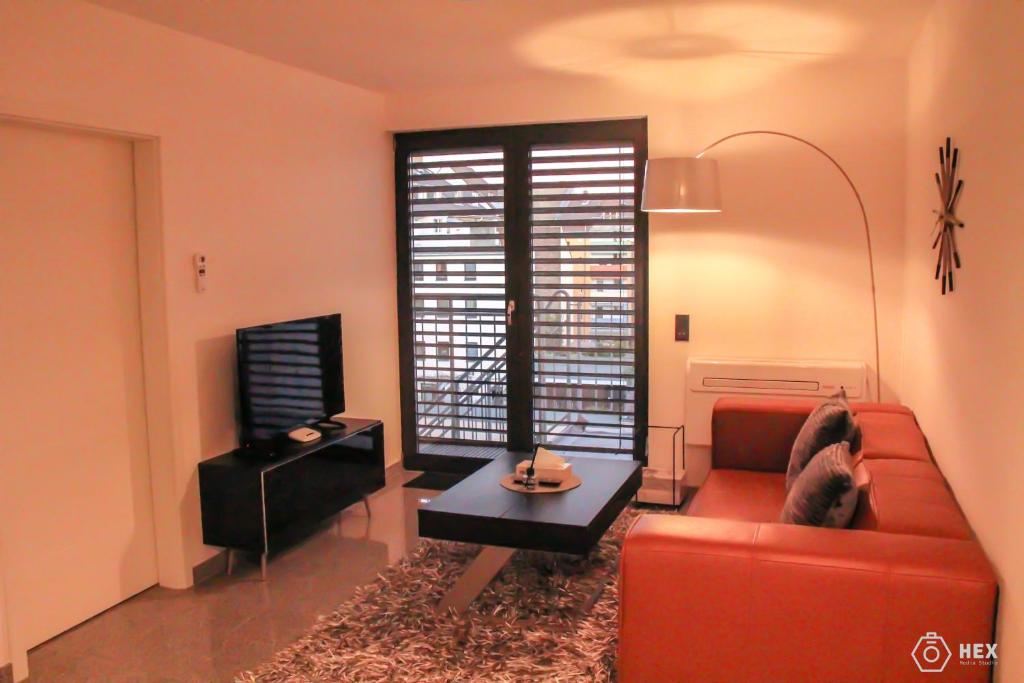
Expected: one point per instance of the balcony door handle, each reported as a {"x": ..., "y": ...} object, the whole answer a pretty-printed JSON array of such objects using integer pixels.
[{"x": 509, "y": 310}]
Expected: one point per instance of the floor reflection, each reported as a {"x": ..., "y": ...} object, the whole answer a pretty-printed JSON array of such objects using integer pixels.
[{"x": 229, "y": 624}]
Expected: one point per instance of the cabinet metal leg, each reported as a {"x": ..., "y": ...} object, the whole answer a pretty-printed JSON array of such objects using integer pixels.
[
  {"x": 366, "y": 504},
  {"x": 231, "y": 561},
  {"x": 263, "y": 567}
]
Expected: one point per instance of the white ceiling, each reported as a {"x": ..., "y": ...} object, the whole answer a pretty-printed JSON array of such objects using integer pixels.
[{"x": 391, "y": 45}]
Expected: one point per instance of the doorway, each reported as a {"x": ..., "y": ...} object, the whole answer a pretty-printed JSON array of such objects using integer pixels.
[
  {"x": 77, "y": 525},
  {"x": 522, "y": 257}
]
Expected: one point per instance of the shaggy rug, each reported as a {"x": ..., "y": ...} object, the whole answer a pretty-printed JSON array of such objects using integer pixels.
[{"x": 544, "y": 618}]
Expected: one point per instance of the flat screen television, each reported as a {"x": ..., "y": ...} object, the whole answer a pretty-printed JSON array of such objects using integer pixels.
[{"x": 289, "y": 375}]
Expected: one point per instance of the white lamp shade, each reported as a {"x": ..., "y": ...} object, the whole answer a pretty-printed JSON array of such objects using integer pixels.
[{"x": 681, "y": 185}]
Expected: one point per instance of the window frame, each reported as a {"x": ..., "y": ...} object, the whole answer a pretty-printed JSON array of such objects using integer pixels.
[{"x": 516, "y": 142}]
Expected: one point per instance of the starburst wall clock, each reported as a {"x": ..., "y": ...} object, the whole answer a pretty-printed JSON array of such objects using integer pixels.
[{"x": 947, "y": 222}]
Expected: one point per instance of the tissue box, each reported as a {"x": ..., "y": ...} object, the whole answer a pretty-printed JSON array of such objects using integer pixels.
[{"x": 551, "y": 474}]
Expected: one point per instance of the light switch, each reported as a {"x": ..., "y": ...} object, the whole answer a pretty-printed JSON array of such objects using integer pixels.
[
  {"x": 199, "y": 264},
  {"x": 683, "y": 327}
]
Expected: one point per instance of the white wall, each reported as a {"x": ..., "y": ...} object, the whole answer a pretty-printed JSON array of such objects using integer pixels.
[
  {"x": 782, "y": 273},
  {"x": 962, "y": 366},
  {"x": 284, "y": 180}
]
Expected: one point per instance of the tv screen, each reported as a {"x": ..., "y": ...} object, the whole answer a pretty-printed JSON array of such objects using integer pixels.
[{"x": 289, "y": 375}]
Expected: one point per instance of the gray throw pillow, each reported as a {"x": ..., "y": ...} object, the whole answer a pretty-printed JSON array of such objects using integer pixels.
[
  {"x": 829, "y": 423},
  {"x": 825, "y": 493}
]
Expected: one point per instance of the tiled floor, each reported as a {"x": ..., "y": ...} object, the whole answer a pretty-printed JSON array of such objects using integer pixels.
[{"x": 230, "y": 624}]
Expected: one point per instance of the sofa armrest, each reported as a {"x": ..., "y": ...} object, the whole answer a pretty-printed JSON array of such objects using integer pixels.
[
  {"x": 721, "y": 600},
  {"x": 755, "y": 433}
]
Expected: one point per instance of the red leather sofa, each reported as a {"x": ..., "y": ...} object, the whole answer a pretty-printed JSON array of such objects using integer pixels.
[{"x": 726, "y": 593}]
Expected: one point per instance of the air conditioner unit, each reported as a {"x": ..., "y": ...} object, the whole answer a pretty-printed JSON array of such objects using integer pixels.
[{"x": 709, "y": 379}]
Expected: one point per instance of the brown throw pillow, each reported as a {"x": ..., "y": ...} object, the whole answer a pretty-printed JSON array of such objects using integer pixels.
[
  {"x": 830, "y": 423},
  {"x": 825, "y": 493}
]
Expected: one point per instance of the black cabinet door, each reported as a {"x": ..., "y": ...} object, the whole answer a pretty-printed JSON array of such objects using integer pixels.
[
  {"x": 303, "y": 492},
  {"x": 261, "y": 505}
]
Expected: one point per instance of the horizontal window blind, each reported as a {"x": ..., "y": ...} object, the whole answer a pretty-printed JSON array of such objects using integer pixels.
[
  {"x": 456, "y": 203},
  {"x": 583, "y": 286},
  {"x": 522, "y": 263}
]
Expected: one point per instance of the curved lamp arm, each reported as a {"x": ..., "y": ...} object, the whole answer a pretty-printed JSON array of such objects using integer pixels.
[{"x": 863, "y": 213}]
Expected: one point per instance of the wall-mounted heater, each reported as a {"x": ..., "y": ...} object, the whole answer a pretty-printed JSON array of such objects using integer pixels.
[{"x": 709, "y": 379}]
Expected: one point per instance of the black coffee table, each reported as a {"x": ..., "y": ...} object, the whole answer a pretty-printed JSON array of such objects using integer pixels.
[{"x": 479, "y": 510}]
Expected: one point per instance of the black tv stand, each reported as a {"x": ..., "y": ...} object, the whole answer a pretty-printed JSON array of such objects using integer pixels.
[{"x": 260, "y": 504}]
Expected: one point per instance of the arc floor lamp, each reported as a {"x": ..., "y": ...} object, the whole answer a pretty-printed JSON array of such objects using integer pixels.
[{"x": 690, "y": 185}]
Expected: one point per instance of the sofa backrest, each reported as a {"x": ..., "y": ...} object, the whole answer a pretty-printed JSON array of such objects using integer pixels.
[
  {"x": 756, "y": 434},
  {"x": 902, "y": 490}
]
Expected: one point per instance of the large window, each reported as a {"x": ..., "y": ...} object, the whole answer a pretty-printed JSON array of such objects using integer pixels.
[{"x": 523, "y": 272}]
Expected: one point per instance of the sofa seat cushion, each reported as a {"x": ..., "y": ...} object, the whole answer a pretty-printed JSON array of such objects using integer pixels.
[
  {"x": 909, "y": 505},
  {"x": 892, "y": 435},
  {"x": 741, "y": 495}
]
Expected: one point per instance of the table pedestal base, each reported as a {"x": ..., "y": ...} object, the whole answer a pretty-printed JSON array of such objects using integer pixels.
[{"x": 478, "y": 574}]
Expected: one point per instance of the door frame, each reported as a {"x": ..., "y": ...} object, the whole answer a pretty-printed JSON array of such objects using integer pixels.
[
  {"x": 516, "y": 141},
  {"x": 173, "y": 569}
]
